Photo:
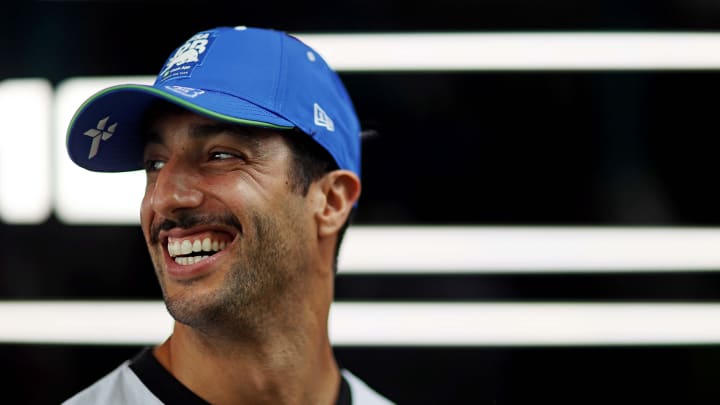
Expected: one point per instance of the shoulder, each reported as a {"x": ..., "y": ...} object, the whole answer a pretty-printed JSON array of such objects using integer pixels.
[
  {"x": 361, "y": 393},
  {"x": 120, "y": 386}
]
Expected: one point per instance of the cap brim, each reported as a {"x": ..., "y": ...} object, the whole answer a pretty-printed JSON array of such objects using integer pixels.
[{"x": 104, "y": 135}]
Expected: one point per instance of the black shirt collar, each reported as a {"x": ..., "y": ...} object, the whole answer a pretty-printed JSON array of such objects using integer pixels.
[{"x": 171, "y": 391}]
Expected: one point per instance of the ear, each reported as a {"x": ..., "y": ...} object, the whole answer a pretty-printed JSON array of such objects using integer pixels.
[{"x": 340, "y": 191}]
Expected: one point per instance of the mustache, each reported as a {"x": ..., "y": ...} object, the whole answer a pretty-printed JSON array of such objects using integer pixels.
[{"x": 188, "y": 220}]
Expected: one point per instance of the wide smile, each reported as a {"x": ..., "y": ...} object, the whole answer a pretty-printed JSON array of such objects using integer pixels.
[
  {"x": 192, "y": 253},
  {"x": 187, "y": 251}
]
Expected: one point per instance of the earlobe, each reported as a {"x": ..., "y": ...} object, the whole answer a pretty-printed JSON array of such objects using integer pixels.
[{"x": 341, "y": 189}]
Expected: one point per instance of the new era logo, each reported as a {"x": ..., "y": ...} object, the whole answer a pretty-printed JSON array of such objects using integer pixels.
[{"x": 322, "y": 119}]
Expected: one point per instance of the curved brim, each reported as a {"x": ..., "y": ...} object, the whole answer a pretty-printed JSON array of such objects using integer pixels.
[{"x": 105, "y": 134}]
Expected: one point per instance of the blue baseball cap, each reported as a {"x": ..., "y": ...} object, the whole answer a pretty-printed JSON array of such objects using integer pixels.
[{"x": 249, "y": 76}]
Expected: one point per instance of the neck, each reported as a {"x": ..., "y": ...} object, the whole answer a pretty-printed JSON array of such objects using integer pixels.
[{"x": 287, "y": 366}]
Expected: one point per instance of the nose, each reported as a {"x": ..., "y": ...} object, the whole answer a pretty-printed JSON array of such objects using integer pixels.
[{"x": 174, "y": 188}]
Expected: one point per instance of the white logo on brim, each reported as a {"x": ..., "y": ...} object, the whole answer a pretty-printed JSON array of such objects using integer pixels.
[
  {"x": 100, "y": 133},
  {"x": 185, "y": 91},
  {"x": 322, "y": 119}
]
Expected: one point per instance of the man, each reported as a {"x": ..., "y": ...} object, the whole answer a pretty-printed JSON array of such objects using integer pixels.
[{"x": 252, "y": 153}]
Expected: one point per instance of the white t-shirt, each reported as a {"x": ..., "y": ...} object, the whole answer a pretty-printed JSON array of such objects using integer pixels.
[{"x": 144, "y": 380}]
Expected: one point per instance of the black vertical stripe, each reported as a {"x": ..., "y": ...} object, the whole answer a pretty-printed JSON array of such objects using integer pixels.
[{"x": 160, "y": 382}]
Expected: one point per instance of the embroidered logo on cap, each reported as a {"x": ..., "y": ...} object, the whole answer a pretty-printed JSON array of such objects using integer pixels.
[
  {"x": 322, "y": 119},
  {"x": 185, "y": 91},
  {"x": 187, "y": 57},
  {"x": 100, "y": 133}
]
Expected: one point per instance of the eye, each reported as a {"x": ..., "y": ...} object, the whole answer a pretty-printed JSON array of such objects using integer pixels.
[
  {"x": 154, "y": 165},
  {"x": 221, "y": 155}
]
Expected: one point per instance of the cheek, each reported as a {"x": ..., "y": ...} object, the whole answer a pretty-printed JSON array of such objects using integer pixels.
[
  {"x": 230, "y": 192},
  {"x": 146, "y": 213}
]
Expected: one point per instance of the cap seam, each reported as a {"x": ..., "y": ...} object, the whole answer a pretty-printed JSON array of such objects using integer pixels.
[{"x": 277, "y": 100}]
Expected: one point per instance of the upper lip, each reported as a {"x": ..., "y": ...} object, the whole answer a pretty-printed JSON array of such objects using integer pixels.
[{"x": 180, "y": 233}]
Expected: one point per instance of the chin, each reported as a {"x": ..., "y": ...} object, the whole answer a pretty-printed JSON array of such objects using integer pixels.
[{"x": 213, "y": 311}]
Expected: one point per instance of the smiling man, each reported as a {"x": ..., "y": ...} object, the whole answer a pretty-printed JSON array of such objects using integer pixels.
[{"x": 251, "y": 147}]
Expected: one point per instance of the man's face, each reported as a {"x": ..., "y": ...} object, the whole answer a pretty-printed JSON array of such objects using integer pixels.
[{"x": 226, "y": 234}]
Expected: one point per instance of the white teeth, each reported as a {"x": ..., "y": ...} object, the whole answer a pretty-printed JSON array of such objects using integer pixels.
[
  {"x": 185, "y": 261},
  {"x": 186, "y": 247},
  {"x": 177, "y": 247}
]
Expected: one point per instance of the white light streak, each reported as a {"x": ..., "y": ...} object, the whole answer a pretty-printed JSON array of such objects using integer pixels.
[
  {"x": 518, "y": 249},
  {"x": 476, "y": 51},
  {"x": 513, "y": 51},
  {"x": 99, "y": 322},
  {"x": 82, "y": 196},
  {"x": 390, "y": 324},
  {"x": 527, "y": 324},
  {"x": 25, "y": 151}
]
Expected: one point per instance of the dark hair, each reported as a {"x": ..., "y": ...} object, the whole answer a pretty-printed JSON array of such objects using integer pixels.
[{"x": 310, "y": 162}]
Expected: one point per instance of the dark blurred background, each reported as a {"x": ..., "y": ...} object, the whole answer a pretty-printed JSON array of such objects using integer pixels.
[{"x": 560, "y": 148}]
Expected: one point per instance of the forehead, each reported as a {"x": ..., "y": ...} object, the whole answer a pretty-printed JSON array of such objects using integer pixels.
[{"x": 165, "y": 119}]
